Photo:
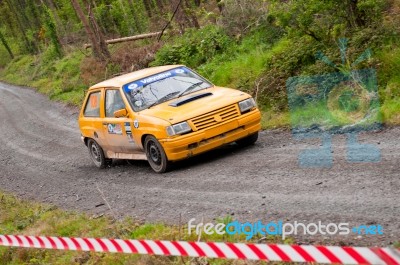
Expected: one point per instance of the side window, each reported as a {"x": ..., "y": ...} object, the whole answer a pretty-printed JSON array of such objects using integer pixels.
[
  {"x": 114, "y": 102},
  {"x": 92, "y": 108}
]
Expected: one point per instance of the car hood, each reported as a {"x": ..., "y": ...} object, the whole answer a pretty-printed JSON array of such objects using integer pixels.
[{"x": 220, "y": 97}]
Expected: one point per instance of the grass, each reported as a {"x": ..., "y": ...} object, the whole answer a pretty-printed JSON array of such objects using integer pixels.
[
  {"x": 242, "y": 68},
  {"x": 57, "y": 78},
  {"x": 390, "y": 111},
  {"x": 273, "y": 120},
  {"x": 390, "y": 72},
  {"x": 4, "y": 56},
  {"x": 21, "y": 217}
]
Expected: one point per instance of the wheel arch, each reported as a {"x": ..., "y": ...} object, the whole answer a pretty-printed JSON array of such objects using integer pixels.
[
  {"x": 143, "y": 138},
  {"x": 85, "y": 140}
]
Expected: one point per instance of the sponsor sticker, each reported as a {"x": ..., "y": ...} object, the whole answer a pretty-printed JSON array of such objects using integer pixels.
[
  {"x": 179, "y": 71},
  {"x": 130, "y": 138},
  {"x": 136, "y": 124},
  {"x": 128, "y": 128},
  {"x": 114, "y": 128},
  {"x": 134, "y": 86}
]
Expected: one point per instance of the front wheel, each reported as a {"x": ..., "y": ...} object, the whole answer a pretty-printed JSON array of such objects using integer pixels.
[
  {"x": 156, "y": 155},
  {"x": 248, "y": 140}
]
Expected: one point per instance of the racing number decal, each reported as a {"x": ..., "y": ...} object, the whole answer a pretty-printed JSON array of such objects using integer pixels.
[{"x": 94, "y": 102}]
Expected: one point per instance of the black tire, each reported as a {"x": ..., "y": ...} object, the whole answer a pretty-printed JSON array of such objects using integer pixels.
[
  {"x": 156, "y": 155},
  {"x": 248, "y": 140},
  {"x": 97, "y": 155}
]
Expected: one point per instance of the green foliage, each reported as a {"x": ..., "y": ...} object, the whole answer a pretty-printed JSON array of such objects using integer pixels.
[
  {"x": 5, "y": 44},
  {"x": 19, "y": 70},
  {"x": 261, "y": 65},
  {"x": 327, "y": 20},
  {"x": 36, "y": 25},
  {"x": 194, "y": 48},
  {"x": 348, "y": 102},
  {"x": 51, "y": 31},
  {"x": 242, "y": 64},
  {"x": 4, "y": 54},
  {"x": 121, "y": 17},
  {"x": 391, "y": 111},
  {"x": 108, "y": 16},
  {"x": 271, "y": 119}
]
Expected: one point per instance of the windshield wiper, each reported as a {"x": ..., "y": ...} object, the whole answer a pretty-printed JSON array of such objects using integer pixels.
[
  {"x": 190, "y": 88},
  {"x": 164, "y": 98}
]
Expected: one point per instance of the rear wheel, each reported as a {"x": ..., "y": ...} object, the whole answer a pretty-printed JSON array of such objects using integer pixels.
[
  {"x": 97, "y": 154},
  {"x": 156, "y": 155},
  {"x": 249, "y": 140}
]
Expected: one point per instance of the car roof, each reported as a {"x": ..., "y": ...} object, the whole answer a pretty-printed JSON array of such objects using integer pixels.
[{"x": 121, "y": 80}]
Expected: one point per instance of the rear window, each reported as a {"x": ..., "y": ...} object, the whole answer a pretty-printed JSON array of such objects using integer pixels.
[{"x": 92, "y": 108}]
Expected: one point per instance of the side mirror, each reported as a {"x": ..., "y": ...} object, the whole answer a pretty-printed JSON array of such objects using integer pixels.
[{"x": 120, "y": 113}]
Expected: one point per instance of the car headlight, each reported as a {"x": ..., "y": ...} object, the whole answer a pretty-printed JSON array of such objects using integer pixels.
[
  {"x": 178, "y": 128},
  {"x": 246, "y": 105}
]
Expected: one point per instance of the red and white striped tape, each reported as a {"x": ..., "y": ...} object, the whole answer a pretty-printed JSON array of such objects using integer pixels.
[{"x": 268, "y": 252}]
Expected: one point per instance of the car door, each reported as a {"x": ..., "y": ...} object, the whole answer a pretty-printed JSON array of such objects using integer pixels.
[
  {"x": 118, "y": 131},
  {"x": 91, "y": 120}
]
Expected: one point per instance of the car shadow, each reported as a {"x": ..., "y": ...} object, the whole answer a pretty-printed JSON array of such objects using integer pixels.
[
  {"x": 192, "y": 162},
  {"x": 210, "y": 156}
]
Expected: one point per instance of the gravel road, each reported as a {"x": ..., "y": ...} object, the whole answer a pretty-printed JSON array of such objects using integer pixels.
[{"x": 43, "y": 159}]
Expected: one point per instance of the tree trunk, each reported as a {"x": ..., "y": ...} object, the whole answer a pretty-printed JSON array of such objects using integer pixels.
[
  {"x": 100, "y": 50},
  {"x": 22, "y": 11},
  {"x": 147, "y": 6},
  {"x": 30, "y": 22},
  {"x": 52, "y": 31},
  {"x": 4, "y": 41},
  {"x": 53, "y": 9},
  {"x": 130, "y": 38},
  {"x": 99, "y": 34},
  {"x": 354, "y": 15},
  {"x": 136, "y": 18},
  {"x": 160, "y": 4},
  {"x": 34, "y": 15},
  {"x": 28, "y": 45},
  {"x": 9, "y": 24},
  {"x": 220, "y": 4},
  {"x": 190, "y": 13}
]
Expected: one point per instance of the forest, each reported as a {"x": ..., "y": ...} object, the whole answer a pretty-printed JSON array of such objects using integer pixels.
[{"x": 61, "y": 47}]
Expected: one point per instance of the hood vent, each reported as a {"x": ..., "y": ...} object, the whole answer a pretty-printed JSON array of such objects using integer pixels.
[{"x": 189, "y": 99}]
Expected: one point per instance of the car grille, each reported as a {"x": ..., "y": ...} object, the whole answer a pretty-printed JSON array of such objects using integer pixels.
[{"x": 214, "y": 117}]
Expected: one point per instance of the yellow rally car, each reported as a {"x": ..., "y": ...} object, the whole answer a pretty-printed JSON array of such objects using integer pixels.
[{"x": 164, "y": 114}]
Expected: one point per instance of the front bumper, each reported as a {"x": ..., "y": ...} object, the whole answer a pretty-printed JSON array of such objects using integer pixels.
[{"x": 195, "y": 143}]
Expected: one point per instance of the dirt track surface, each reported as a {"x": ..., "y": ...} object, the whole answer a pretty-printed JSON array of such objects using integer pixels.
[{"x": 42, "y": 158}]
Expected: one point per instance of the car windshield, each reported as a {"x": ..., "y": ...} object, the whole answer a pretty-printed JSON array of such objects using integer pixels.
[{"x": 156, "y": 89}]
